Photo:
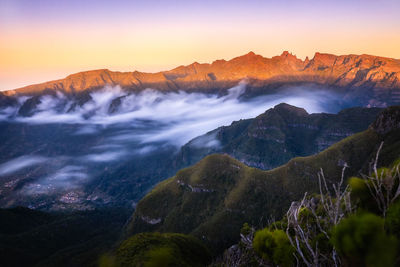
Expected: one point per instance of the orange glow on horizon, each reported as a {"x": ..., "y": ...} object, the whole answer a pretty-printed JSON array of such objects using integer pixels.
[{"x": 37, "y": 52}]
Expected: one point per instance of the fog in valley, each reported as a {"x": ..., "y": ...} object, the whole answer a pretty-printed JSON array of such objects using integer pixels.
[{"x": 115, "y": 127}]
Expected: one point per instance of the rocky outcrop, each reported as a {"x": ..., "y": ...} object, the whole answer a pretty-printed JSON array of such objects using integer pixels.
[
  {"x": 387, "y": 121},
  {"x": 150, "y": 220},
  {"x": 279, "y": 134}
]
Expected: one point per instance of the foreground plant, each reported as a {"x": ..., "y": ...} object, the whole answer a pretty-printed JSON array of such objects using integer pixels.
[
  {"x": 383, "y": 184},
  {"x": 310, "y": 220}
]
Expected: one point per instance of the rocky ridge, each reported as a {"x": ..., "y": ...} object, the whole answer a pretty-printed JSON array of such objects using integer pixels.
[{"x": 378, "y": 74}]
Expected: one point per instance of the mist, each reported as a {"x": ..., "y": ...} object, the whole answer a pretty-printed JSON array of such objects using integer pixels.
[
  {"x": 66, "y": 178},
  {"x": 20, "y": 163},
  {"x": 173, "y": 117},
  {"x": 116, "y": 129}
]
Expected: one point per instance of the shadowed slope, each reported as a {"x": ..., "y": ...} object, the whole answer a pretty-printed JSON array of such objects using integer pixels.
[
  {"x": 213, "y": 198},
  {"x": 274, "y": 137}
]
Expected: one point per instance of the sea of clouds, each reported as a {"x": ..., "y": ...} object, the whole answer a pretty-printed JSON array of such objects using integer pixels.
[
  {"x": 174, "y": 117},
  {"x": 135, "y": 124}
]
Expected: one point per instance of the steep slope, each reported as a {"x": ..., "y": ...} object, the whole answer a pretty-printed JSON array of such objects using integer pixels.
[
  {"x": 377, "y": 77},
  {"x": 274, "y": 137},
  {"x": 213, "y": 198}
]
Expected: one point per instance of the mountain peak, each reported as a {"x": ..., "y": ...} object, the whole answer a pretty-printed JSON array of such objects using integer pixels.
[
  {"x": 250, "y": 56},
  {"x": 287, "y": 54},
  {"x": 324, "y": 57},
  {"x": 89, "y": 73},
  {"x": 283, "y": 107},
  {"x": 322, "y": 69}
]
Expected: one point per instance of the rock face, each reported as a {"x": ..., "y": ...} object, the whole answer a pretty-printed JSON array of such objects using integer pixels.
[
  {"x": 381, "y": 76},
  {"x": 388, "y": 121},
  {"x": 274, "y": 137}
]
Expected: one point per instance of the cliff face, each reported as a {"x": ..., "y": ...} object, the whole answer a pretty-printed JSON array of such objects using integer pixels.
[
  {"x": 355, "y": 71},
  {"x": 274, "y": 137}
]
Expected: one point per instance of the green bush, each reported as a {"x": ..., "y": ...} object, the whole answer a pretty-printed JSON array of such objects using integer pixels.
[
  {"x": 392, "y": 221},
  {"x": 362, "y": 241},
  {"x": 362, "y": 196},
  {"x": 155, "y": 249},
  {"x": 162, "y": 256},
  {"x": 274, "y": 246},
  {"x": 246, "y": 229}
]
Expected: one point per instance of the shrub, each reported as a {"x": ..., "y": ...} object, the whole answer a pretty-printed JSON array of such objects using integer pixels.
[
  {"x": 156, "y": 249},
  {"x": 392, "y": 221},
  {"x": 246, "y": 229},
  {"x": 162, "y": 256},
  {"x": 274, "y": 246},
  {"x": 362, "y": 241},
  {"x": 361, "y": 194}
]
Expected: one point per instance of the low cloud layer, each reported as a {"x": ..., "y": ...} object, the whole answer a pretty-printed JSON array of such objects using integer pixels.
[
  {"x": 174, "y": 117},
  {"x": 132, "y": 126},
  {"x": 14, "y": 165},
  {"x": 67, "y": 178}
]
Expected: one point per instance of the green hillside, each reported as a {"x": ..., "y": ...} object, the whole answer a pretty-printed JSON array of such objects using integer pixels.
[{"x": 213, "y": 198}]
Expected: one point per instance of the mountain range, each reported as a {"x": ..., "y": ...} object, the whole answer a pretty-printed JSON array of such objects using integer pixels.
[
  {"x": 375, "y": 80},
  {"x": 89, "y": 156}
]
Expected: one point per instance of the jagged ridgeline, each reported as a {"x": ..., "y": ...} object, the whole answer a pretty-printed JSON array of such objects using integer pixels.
[
  {"x": 278, "y": 135},
  {"x": 212, "y": 199},
  {"x": 365, "y": 79}
]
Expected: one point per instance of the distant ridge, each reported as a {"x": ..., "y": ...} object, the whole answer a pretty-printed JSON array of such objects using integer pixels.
[
  {"x": 278, "y": 135},
  {"x": 379, "y": 74}
]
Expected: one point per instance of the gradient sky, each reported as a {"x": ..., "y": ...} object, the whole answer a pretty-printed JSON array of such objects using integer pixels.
[{"x": 43, "y": 40}]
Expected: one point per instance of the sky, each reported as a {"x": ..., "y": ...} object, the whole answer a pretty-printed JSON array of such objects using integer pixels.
[{"x": 45, "y": 40}]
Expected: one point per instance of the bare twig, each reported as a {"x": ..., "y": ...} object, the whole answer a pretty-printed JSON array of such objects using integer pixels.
[
  {"x": 301, "y": 235},
  {"x": 384, "y": 185}
]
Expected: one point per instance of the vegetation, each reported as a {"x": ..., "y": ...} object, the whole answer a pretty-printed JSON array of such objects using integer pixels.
[
  {"x": 362, "y": 241},
  {"x": 200, "y": 199},
  {"x": 274, "y": 246},
  {"x": 155, "y": 249},
  {"x": 331, "y": 231}
]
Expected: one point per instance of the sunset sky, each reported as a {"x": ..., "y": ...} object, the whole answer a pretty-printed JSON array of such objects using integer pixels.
[{"x": 45, "y": 39}]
